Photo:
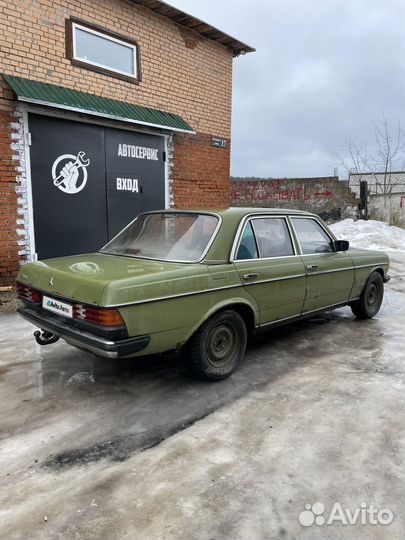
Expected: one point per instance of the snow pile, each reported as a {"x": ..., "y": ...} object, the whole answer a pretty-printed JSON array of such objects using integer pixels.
[{"x": 370, "y": 234}]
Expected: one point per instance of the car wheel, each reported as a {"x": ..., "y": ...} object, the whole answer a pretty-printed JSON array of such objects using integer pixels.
[
  {"x": 215, "y": 350},
  {"x": 371, "y": 298}
]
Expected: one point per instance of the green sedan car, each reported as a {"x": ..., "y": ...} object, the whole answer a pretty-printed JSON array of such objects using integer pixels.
[{"x": 200, "y": 281}]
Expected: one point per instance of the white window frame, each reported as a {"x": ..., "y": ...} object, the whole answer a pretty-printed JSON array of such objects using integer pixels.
[{"x": 134, "y": 48}]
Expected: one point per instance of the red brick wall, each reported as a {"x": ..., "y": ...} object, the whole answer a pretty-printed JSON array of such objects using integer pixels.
[
  {"x": 9, "y": 257},
  {"x": 182, "y": 73},
  {"x": 200, "y": 172}
]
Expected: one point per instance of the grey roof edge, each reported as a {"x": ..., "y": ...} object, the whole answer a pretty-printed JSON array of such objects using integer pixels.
[{"x": 193, "y": 23}]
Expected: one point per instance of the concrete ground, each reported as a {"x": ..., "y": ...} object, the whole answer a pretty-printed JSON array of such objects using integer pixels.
[{"x": 92, "y": 448}]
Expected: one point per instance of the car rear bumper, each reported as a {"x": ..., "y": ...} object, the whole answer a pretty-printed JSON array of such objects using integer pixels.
[{"x": 85, "y": 340}]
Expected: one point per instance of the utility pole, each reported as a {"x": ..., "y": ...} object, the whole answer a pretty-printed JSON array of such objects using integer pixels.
[{"x": 363, "y": 207}]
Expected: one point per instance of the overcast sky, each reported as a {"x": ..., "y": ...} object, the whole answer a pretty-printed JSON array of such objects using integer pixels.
[{"x": 322, "y": 71}]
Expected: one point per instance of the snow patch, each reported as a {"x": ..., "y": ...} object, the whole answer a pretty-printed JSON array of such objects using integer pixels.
[{"x": 370, "y": 234}]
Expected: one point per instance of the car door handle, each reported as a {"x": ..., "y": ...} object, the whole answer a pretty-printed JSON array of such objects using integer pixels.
[
  {"x": 312, "y": 266},
  {"x": 253, "y": 275}
]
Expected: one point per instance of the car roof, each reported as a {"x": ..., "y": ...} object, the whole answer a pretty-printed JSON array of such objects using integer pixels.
[{"x": 241, "y": 211}]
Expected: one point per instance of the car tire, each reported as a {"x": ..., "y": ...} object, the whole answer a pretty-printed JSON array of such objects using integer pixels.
[
  {"x": 370, "y": 299},
  {"x": 215, "y": 350}
]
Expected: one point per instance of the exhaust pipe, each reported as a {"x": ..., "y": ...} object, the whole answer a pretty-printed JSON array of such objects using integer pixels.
[{"x": 45, "y": 338}]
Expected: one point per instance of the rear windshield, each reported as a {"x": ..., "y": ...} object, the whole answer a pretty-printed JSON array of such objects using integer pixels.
[{"x": 176, "y": 237}]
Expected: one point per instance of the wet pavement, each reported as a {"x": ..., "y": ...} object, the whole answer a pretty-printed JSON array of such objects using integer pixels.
[
  {"x": 114, "y": 408},
  {"x": 317, "y": 409}
]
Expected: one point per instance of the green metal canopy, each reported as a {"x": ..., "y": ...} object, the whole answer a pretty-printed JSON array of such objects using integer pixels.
[{"x": 73, "y": 100}]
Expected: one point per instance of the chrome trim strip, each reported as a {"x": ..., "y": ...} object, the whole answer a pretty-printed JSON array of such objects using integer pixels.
[
  {"x": 274, "y": 279},
  {"x": 294, "y": 236},
  {"x": 171, "y": 297},
  {"x": 345, "y": 269},
  {"x": 182, "y": 295},
  {"x": 304, "y": 313},
  {"x": 77, "y": 343},
  {"x": 204, "y": 253},
  {"x": 265, "y": 259},
  {"x": 339, "y": 304},
  {"x": 330, "y": 271},
  {"x": 370, "y": 265},
  {"x": 136, "y": 302},
  {"x": 323, "y": 253},
  {"x": 162, "y": 298},
  {"x": 237, "y": 237},
  {"x": 296, "y": 247},
  {"x": 259, "y": 253},
  {"x": 279, "y": 320}
]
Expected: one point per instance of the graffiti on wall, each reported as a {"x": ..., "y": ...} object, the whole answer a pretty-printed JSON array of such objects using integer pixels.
[
  {"x": 277, "y": 191},
  {"x": 326, "y": 196}
]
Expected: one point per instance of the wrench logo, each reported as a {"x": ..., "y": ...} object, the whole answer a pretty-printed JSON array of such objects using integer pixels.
[{"x": 69, "y": 172}]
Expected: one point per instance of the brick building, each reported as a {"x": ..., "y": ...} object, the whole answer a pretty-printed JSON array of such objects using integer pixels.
[{"x": 107, "y": 108}]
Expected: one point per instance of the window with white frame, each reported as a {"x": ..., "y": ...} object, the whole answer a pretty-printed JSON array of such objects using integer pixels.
[{"x": 103, "y": 51}]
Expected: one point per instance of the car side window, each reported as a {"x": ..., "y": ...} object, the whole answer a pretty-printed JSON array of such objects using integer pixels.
[
  {"x": 273, "y": 237},
  {"x": 311, "y": 236},
  {"x": 247, "y": 247}
]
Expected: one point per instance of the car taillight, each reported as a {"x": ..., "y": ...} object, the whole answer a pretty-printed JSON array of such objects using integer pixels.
[
  {"x": 100, "y": 316},
  {"x": 26, "y": 293}
]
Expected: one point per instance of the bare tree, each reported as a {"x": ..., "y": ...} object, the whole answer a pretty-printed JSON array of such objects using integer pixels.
[{"x": 384, "y": 165}]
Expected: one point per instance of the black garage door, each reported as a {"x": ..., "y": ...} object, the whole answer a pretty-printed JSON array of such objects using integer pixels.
[{"x": 89, "y": 181}]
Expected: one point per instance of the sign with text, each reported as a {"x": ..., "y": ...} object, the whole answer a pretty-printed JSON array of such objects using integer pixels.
[
  {"x": 135, "y": 173},
  {"x": 218, "y": 142}
]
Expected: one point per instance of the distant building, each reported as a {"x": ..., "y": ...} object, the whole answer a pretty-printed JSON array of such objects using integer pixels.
[
  {"x": 379, "y": 183},
  {"x": 386, "y": 195}
]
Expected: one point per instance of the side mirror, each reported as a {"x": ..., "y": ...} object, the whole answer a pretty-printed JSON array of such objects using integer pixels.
[{"x": 341, "y": 245}]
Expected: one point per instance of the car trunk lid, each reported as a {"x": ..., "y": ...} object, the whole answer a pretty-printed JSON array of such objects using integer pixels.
[{"x": 107, "y": 280}]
